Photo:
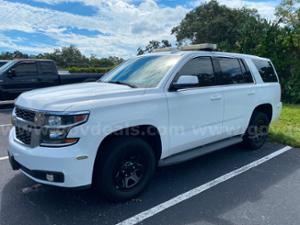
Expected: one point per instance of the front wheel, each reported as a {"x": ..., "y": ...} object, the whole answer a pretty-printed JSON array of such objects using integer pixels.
[
  {"x": 257, "y": 131},
  {"x": 125, "y": 168}
]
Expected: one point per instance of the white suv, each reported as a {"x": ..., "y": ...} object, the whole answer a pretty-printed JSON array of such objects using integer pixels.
[{"x": 156, "y": 109}]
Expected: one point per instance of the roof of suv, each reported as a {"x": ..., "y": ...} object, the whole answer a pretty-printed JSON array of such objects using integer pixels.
[{"x": 216, "y": 53}]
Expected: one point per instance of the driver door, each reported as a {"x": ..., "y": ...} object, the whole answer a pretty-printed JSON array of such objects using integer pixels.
[{"x": 195, "y": 112}]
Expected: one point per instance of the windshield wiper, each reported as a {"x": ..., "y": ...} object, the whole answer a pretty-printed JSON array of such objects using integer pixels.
[{"x": 121, "y": 83}]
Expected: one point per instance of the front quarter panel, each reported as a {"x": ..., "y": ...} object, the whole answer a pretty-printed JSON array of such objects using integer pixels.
[{"x": 149, "y": 109}]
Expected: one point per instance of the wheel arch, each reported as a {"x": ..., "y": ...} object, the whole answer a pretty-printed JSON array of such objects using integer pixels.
[
  {"x": 147, "y": 132},
  {"x": 266, "y": 108}
]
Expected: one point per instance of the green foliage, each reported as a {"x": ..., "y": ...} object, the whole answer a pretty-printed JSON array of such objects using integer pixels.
[
  {"x": 88, "y": 69},
  {"x": 287, "y": 129},
  {"x": 69, "y": 57},
  {"x": 244, "y": 31},
  {"x": 153, "y": 45}
]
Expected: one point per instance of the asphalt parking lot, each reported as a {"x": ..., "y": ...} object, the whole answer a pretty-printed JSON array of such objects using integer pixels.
[{"x": 266, "y": 193}]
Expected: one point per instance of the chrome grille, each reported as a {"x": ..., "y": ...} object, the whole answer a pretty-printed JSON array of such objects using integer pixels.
[
  {"x": 25, "y": 114},
  {"x": 26, "y": 126},
  {"x": 23, "y": 135}
]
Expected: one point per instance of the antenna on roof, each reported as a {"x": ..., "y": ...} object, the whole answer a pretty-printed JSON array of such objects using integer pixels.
[{"x": 197, "y": 47}]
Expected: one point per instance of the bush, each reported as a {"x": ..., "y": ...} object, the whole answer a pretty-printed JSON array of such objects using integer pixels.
[
  {"x": 292, "y": 89},
  {"x": 88, "y": 69}
]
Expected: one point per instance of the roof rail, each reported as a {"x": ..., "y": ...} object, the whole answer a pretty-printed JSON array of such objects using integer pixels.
[{"x": 197, "y": 47}]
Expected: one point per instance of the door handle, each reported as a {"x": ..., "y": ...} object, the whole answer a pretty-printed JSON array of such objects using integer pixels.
[
  {"x": 251, "y": 93},
  {"x": 215, "y": 97}
]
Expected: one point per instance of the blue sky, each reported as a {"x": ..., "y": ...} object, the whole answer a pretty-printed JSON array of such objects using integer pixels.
[{"x": 99, "y": 27}]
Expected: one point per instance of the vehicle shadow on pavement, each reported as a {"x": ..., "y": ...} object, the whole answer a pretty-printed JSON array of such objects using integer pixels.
[{"x": 46, "y": 205}]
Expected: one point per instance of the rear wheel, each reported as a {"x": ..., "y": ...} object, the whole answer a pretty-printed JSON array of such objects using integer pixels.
[
  {"x": 125, "y": 168},
  {"x": 257, "y": 131}
]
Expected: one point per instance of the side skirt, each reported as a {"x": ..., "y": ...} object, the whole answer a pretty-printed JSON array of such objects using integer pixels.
[{"x": 199, "y": 151}]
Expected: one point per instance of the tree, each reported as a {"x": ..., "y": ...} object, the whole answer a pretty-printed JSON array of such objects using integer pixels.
[
  {"x": 68, "y": 57},
  {"x": 152, "y": 45},
  {"x": 243, "y": 30},
  {"x": 14, "y": 55},
  {"x": 288, "y": 15},
  {"x": 232, "y": 29}
]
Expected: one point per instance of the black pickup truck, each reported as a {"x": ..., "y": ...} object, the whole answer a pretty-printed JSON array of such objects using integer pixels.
[
  {"x": 2, "y": 62},
  {"x": 18, "y": 76}
]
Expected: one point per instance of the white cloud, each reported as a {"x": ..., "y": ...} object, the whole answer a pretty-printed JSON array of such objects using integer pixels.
[
  {"x": 265, "y": 8},
  {"x": 127, "y": 24}
]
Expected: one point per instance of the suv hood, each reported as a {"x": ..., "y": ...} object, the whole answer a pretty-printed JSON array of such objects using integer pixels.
[{"x": 81, "y": 95}]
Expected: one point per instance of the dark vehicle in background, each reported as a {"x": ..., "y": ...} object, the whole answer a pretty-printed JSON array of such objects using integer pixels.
[
  {"x": 2, "y": 62},
  {"x": 22, "y": 75}
]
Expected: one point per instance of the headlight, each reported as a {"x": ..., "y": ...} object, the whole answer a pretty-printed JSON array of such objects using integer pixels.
[{"x": 57, "y": 127}]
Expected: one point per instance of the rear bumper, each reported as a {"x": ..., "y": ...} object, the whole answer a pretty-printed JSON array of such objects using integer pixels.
[{"x": 52, "y": 166}]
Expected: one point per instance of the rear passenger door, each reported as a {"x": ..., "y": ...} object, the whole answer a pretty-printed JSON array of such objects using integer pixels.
[
  {"x": 238, "y": 87},
  {"x": 48, "y": 74}
]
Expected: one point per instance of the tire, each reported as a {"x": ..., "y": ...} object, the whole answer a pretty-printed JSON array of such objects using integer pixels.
[
  {"x": 125, "y": 168},
  {"x": 257, "y": 131}
]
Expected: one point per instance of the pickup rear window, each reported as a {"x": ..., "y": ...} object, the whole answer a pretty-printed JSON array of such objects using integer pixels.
[{"x": 265, "y": 70}]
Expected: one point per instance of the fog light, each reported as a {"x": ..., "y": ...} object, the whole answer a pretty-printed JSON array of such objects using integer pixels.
[{"x": 50, "y": 177}]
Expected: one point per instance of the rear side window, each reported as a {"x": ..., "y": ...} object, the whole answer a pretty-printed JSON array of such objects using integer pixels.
[
  {"x": 202, "y": 68},
  {"x": 265, "y": 70},
  {"x": 233, "y": 71},
  {"x": 47, "y": 67}
]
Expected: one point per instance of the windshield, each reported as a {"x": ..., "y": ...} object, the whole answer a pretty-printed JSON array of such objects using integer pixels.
[
  {"x": 6, "y": 66},
  {"x": 146, "y": 71}
]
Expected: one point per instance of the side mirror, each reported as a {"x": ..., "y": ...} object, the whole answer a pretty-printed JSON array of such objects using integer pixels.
[
  {"x": 185, "y": 81},
  {"x": 11, "y": 73}
]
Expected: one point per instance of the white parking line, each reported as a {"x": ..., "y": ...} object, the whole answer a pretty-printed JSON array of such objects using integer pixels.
[
  {"x": 3, "y": 158},
  {"x": 5, "y": 125},
  {"x": 189, "y": 194}
]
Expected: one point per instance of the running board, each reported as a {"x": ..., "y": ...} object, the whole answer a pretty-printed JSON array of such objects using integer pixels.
[{"x": 199, "y": 151}]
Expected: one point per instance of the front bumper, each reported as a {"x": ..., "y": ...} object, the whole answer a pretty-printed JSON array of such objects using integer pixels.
[{"x": 60, "y": 165}]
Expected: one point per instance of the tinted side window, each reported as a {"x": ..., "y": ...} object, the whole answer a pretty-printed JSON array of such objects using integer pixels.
[
  {"x": 246, "y": 72},
  {"x": 232, "y": 72},
  {"x": 202, "y": 68},
  {"x": 47, "y": 67},
  {"x": 26, "y": 69},
  {"x": 265, "y": 70}
]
